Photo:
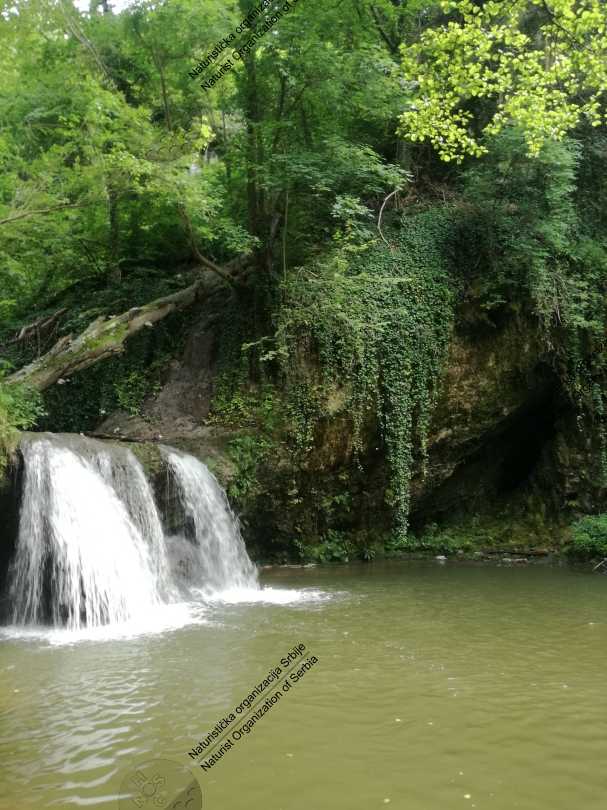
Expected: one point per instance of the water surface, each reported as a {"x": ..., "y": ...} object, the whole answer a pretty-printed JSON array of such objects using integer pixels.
[{"x": 438, "y": 686}]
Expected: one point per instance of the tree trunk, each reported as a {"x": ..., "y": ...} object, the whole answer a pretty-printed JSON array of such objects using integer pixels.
[
  {"x": 103, "y": 338},
  {"x": 254, "y": 148},
  {"x": 115, "y": 274},
  {"x": 253, "y": 139}
]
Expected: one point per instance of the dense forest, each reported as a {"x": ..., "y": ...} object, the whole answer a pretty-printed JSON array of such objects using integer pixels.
[{"x": 356, "y": 261}]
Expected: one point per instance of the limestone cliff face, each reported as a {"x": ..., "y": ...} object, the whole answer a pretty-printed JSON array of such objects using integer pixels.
[
  {"x": 494, "y": 417},
  {"x": 504, "y": 437},
  {"x": 502, "y": 429},
  {"x": 10, "y": 487}
]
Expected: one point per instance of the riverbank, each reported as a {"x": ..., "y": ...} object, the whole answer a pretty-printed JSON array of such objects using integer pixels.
[{"x": 517, "y": 528}]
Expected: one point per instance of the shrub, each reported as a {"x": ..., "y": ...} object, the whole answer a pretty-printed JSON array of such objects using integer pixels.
[
  {"x": 20, "y": 409},
  {"x": 589, "y": 537}
]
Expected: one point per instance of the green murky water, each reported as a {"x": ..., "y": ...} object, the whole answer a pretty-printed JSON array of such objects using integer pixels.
[{"x": 442, "y": 687}]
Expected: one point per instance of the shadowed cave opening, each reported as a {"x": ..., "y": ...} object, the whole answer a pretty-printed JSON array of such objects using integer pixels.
[
  {"x": 524, "y": 440},
  {"x": 500, "y": 463}
]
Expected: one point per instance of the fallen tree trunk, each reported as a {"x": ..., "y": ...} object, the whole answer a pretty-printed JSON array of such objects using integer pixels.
[{"x": 103, "y": 338}]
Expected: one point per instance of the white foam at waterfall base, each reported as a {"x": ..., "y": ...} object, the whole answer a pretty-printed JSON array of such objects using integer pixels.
[
  {"x": 269, "y": 596},
  {"x": 163, "y": 618},
  {"x": 81, "y": 560}
]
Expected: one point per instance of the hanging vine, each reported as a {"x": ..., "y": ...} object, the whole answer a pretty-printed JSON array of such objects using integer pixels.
[{"x": 379, "y": 322}]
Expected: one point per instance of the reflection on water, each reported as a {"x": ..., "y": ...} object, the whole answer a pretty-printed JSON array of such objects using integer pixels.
[{"x": 437, "y": 687}]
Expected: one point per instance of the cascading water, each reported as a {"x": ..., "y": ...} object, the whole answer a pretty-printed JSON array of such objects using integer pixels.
[
  {"x": 91, "y": 549},
  {"x": 218, "y": 556},
  {"x": 81, "y": 559},
  {"x": 125, "y": 475}
]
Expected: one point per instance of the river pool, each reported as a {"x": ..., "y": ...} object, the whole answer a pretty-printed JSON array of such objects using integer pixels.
[{"x": 436, "y": 687}]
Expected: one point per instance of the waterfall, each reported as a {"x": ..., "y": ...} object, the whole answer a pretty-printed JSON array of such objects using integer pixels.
[
  {"x": 82, "y": 559},
  {"x": 218, "y": 554},
  {"x": 91, "y": 548},
  {"x": 125, "y": 475}
]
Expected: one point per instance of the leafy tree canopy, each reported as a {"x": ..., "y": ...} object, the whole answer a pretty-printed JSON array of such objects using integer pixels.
[{"x": 541, "y": 66}]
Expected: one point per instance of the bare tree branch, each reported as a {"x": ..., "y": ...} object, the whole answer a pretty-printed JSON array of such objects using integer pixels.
[
  {"x": 210, "y": 265},
  {"x": 381, "y": 211}
]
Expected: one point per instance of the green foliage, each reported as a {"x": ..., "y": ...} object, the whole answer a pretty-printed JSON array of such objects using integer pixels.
[
  {"x": 430, "y": 542},
  {"x": 523, "y": 228},
  {"x": 333, "y": 547},
  {"x": 132, "y": 389},
  {"x": 256, "y": 413},
  {"x": 20, "y": 409},
  {"x": 354, "y": 218},
  {"x": 379, "y": 323},
  {"x": 246, "y": 452},
  {"x": 236, "y": 403},
  {"x": 533, "y": 245},
  {"x": 119, "y": 173},
  {"x": 94, "y": 180},
  {"x": 437, "y": 540},
  {"x": 589, "y": 537},
  {"x": 542, "y": 66}
]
